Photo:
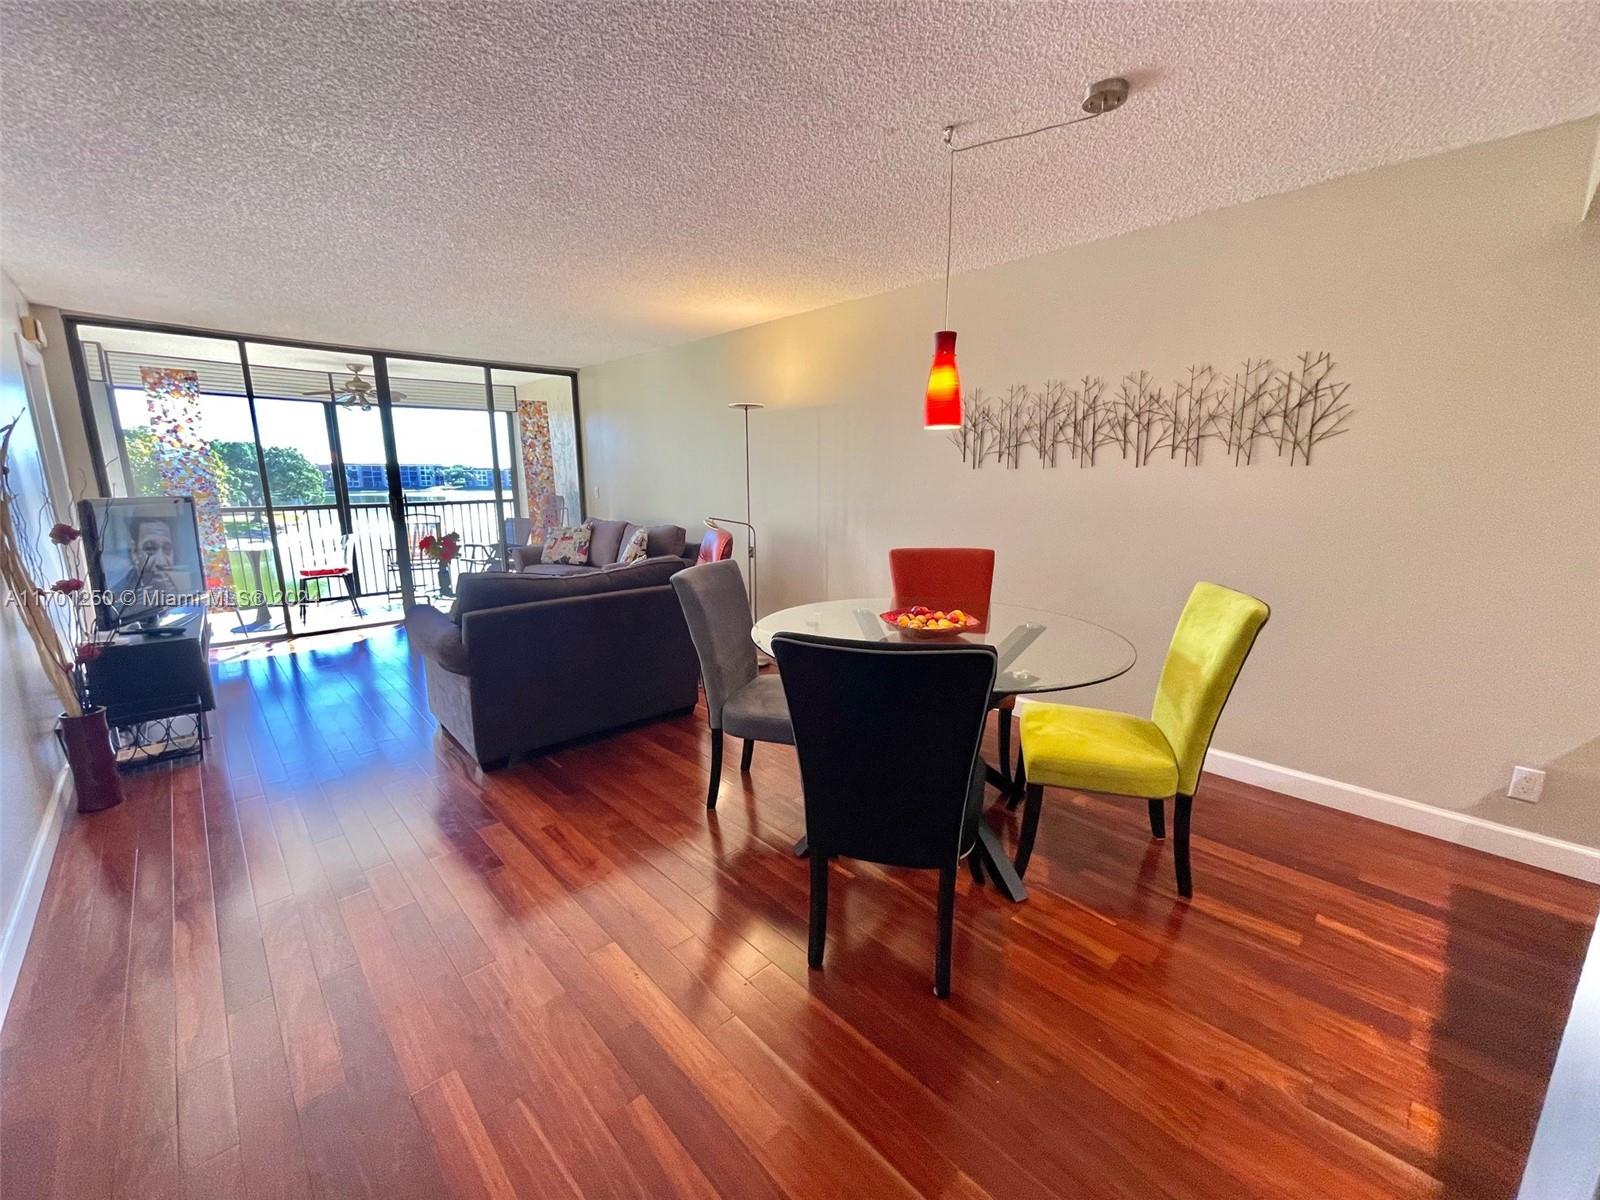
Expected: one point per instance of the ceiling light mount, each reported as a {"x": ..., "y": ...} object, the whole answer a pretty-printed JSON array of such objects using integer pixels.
[
  {"x": 1103, "y": 97},
  {"x": 1106, "y": 96}
]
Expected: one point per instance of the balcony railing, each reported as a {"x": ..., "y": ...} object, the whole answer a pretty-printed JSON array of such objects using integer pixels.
[{"x": 312, "y": 531}]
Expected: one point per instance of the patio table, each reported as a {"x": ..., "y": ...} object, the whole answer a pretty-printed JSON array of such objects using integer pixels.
[{"x": 253, "y": 549}]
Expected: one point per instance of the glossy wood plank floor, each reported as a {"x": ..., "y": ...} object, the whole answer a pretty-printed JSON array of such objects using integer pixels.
[{"x": 336, "y": 960}]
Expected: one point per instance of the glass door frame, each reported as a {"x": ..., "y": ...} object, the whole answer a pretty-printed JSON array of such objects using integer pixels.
[
  {"x": 397, "y": 491},
  {"x": 266, "y": 492},
  {"x": 380, "y": 366}
]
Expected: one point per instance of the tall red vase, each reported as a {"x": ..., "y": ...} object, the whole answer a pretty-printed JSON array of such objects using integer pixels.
[{"x": 87, "y": 742}]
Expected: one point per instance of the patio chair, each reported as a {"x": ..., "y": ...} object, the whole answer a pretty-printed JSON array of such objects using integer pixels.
[
  {"x": 496, "y": 556},
  {"x": 424, "y": 570},
  {"x": 330, "y": 559}
]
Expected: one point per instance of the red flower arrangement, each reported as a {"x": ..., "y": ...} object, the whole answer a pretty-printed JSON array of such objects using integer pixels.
[
  {"x": 84, "y": 636},
  {"x": 441, "y": 549}
]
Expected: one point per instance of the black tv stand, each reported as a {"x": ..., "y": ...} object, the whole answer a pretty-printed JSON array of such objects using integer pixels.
[
  {"x": 169, "y": 624},
  {"x": 155, "y": 685}
]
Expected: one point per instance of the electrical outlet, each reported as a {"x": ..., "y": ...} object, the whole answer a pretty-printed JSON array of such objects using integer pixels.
[{"x": 1526, "y": 784}]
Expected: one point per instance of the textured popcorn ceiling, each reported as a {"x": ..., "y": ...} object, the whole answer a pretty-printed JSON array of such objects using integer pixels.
[{"x": 564, "y": 183}]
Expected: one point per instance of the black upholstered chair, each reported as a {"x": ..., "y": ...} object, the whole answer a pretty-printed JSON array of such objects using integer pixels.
[
  {"x": 739, "y": 699},
  {"x": 888, "y": 737}
]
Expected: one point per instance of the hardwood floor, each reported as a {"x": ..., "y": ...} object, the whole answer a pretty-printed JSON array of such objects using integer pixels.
[{"x": 335, "y": 959}]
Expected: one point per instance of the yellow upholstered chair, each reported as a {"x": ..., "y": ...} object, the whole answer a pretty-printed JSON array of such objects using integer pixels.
[{"x": 1091, "y": 750}]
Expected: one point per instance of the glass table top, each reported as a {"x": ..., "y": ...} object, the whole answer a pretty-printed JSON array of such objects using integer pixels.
[{"x": 1039, "y": 651}]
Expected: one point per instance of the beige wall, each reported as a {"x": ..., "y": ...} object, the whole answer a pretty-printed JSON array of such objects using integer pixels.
[
  {"x": 29, "y": 759},
  {"x": 1433, "y": 576}
]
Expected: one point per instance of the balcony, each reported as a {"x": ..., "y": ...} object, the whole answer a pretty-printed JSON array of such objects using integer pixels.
[{"x": 304, "y": 529}]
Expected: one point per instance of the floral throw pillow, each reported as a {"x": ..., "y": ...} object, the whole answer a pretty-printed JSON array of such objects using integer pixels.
[
  {"x": 634, "y": 551},
  {"x": 569, "y": 544}
]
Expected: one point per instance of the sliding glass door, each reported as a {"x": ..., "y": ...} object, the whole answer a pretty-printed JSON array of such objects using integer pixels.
[
  {"x": 171, "y": 417},
  {"x": 313, "y": 408},
  {"x": 451, "y": 477},
  {"x": 319, "y": 472}
]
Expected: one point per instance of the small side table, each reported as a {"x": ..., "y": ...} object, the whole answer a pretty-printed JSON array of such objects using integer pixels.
[
  {"x": 253, "y": 549},
  {"x": 156, "y": 689}
]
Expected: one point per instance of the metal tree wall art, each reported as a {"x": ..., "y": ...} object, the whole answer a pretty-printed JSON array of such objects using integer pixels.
[{"x": 1260, "y": 406}]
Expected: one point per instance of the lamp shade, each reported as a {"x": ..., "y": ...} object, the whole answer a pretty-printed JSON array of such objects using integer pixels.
[{"x": 942, "y": 407}]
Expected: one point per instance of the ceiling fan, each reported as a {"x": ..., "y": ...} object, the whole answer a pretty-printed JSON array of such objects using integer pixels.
[{"x": 355, "y": 392}]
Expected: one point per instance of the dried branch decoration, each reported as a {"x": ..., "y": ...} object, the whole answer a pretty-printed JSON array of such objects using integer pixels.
[
  {"x": 1291, "y": 409},
  {"x": 20, "y": 576}
]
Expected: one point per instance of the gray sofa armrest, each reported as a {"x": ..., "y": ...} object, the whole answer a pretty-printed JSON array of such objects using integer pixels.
[
  {"x": 437, "y": 638},
  {"x": 525, "y": 556}
]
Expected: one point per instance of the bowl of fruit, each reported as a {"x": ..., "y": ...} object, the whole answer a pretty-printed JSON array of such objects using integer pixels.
[{"x": 920, "y": 621}]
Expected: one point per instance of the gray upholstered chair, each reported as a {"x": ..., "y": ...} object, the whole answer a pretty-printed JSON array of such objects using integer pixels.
[{"x": 739, "y": 700}]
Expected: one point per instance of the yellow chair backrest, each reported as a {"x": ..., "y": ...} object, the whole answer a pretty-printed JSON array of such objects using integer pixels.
[{"x": 1213, "y": 638}]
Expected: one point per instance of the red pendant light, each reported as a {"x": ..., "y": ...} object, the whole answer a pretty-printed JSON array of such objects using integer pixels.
[{"x": 942, "y": 407}]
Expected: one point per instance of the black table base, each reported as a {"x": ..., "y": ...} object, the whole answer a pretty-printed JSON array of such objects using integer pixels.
[{"x": 997, "y": 863}]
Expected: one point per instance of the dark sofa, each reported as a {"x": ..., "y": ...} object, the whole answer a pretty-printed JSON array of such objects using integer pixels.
[{"x": 531, "y": 658}]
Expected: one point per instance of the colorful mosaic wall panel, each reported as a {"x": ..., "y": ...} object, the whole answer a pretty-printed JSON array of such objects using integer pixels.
[
  {"x": 183, "y": 457},
  {"x": 538, "y": 467}
]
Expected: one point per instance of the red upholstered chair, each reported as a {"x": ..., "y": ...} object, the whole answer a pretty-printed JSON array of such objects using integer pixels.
[
  {"x": 952, "y": 577},
  {"x": 715, "y": 546},
  {"x": 943, "y": 577}
]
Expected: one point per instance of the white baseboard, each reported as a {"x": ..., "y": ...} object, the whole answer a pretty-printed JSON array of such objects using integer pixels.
[
  {"x": 19, "y": 921},
  {"x": 1464, "y": 829}
]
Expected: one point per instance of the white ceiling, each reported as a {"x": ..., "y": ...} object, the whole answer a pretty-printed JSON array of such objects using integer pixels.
[{"x": 567, "y": 182}]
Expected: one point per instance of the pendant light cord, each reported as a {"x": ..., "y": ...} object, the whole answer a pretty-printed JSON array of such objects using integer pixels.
[
  {"x": 950, "y": 194},
  {"x": 1011, "y": 137},
  {"x": 949, "y": 220}
]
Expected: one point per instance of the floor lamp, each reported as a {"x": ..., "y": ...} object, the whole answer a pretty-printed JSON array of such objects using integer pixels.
[{"x": 749, "y": 529}]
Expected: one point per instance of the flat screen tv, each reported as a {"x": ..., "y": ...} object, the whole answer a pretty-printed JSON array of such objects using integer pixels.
[{"x": 144, "y": 557}]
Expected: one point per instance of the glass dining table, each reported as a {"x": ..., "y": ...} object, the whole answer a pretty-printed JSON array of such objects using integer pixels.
[{"x": 1039, "y": 651}]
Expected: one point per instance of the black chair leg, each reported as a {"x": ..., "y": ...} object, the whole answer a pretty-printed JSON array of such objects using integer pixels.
[
  {"x": 1005, "y": 745},
  {"x": 1158, "y": 819},
  {"x": 819, "y": 910},
  {"x": 355, "y": 601},
  {"x": 1030, "y": 827},
  {"x": 1180, "y": 844},
  {"x": 747, "y": 756},
  {"x": 716, "y": 768},
  {"x": 975, "y": 865},
  {"x": 947, "y": 922}
]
